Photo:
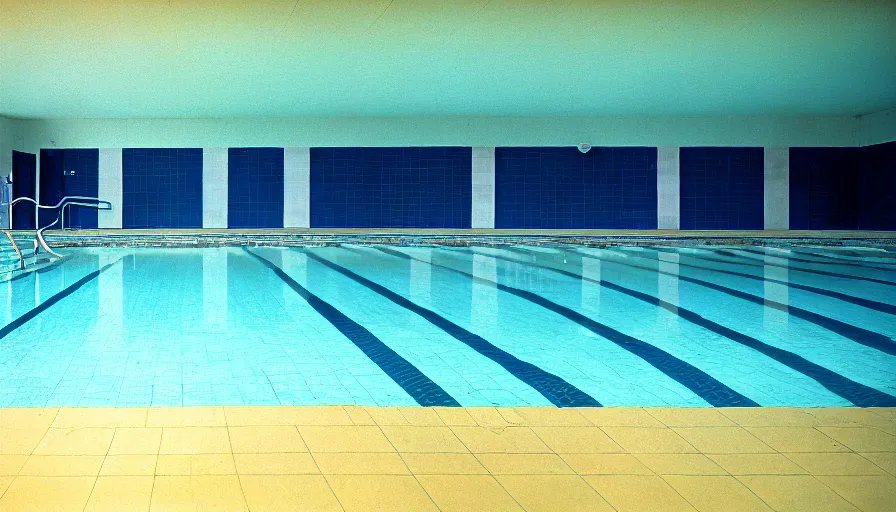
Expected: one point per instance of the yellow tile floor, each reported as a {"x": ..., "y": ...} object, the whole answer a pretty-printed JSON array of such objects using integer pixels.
[{"x": 466, "y": 459}]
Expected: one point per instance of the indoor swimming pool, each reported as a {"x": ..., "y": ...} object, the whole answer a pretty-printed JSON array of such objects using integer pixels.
[{"x": 562, "y": 325}]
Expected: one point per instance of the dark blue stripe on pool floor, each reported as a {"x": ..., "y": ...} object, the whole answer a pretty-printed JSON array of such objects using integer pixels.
[
  {"x": 859, "y": 335},
  {"x": 858, "y": 394},
  {"x": 555, "y": 389},
  {"x": 702, "y": 384},
  {"x": 43, "y": 306},
  {"x": 853, "y": 254},
  {"x": 423, "y": 390},
  {"x": 786, "y": 256}
]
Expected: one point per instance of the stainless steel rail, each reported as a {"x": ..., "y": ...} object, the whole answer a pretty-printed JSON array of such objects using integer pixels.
[
  {"x": 15, "y": 248},
  {"x": 89, "y": 202}
]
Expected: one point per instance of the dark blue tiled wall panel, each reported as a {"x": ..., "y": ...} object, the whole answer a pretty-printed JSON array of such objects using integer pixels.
[
  {"x": 561, "y": 188},
  {"x": 721, "y": 187},
  {"x": 415, "y": 187},
  {"x": 162, "y": 188},
  {"x": 255, "y": 188},
  {"x": 81, "y": 178},
  {"x": 843, "y": 188},
  {"x": 24, "y": 184}
]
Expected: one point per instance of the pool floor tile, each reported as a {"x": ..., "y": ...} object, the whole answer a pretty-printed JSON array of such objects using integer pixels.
[
  {"x": 271, "y": 493},
  {"x": 365, "y": 493},
  {"x": 716, "y": 493},
  {"x": 42, "y": 493},
  {"x": 549, "y": 493},
  {"x": 468, "y": 492},
  {"x": 121, "y": 494}
]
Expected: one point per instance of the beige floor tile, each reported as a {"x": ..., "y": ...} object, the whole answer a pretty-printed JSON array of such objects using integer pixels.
[
  {"x": 47, "y": 493},
  {"x": 14, "y": 441},
  {"x": 443, "y": 464},
  {"x": 605, "y": 464},
  {"x": 218, "y": 493},
  {"x": 648, "y": 440},
  {"x": 136, "y": 441},
  {"x": 275, "y": 464},
  {"x": 723, "y": 440},
  {"x": 680, "y": 464},
  {"x": 109, "y": 417},
  {"x": 638, "y": 493},
  {"x": 361, "y": 464},
  {"x": 359, "y": 415},
  {"x": 421, "y": 416},
  {"x": 547, "y": 417},
  {"x": 756, "y": 464},
  {"x": 121, "y": 494},
  {"x": 868, "y": 493},
  {"x": 884, "y": 460},
  {"x": 129, "y": 465},
  {"x": 355, "y": 438},
  {"x": 268, "y": 439},
  {"x": 387, "y": 415},
  {"x": 186, "y": 417},
  {"x": 408, "y": 438},
  {"x": 796, "y": 439},
  {"x": 500, "y": 440},
  {"x": 194, "y": 465},
  {"x": 849, "y": 464},
  {"x": 524, "y": 464},
  {"x": 769, "y": 417},
  {"x": 194, "y": 440},
  {"x": 550, "y": 493},
  {"x": 487, "y": 417},
  {"x": 268, "y": 416},
  {"x": 795, "y": 493},
  {"x": 620, "y": 417},
  {"x": 28, "y": 418},
  {"x": 468, "y": 493},
  {"x": 62, "y": 465},
  {"x": 851, "y": 417},
  {"x": 690, "y": 417},
  {"x": 5, "y": 482},
  {"x": 577, "y": 439},
  {"x": 455, "y": 416},
  {"x": 78, "y": 441},
  {"x": 370, "y": 493},
  {"x": 862, "y": 439},
  {"x": 716, "y": 493},
  {"x": 11, "y": 464},
  {"x": 885, "y": 412},
  {"x": 282, "y": 493}
]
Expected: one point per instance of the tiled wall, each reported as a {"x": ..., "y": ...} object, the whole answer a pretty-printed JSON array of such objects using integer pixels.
[
  {"x": 561, "y": 188},
  {"x": 721, "y": 188},
  {"x": 162, "y": 188},
  {"x": 69, "y": 172},
  {"x": 24, "y": 184},
  {"x": 255, "y": 188},
  {"x": 843, "y": 188},
  {"x": 424, "y": 187}
]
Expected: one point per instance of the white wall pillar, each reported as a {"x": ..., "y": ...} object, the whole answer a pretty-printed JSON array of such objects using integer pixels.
[
  {"x": 777, "y": 188},
  {"x": 668, "y": 284},
  {"x": 110, "y": 188},
  {"x": 296, "y": 187},
  {"x": 591, "y": 291},
  {"x": 483, "y": 181},
  {"x": 215, "y": 199},
  {"x": 668, "y": 188}
]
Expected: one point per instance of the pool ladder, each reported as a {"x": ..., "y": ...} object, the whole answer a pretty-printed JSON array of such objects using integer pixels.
[{"x": 88, "y": 202}]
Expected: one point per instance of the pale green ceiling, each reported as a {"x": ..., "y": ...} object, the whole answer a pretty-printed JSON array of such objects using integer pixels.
[{"x": 282, "y": 58}]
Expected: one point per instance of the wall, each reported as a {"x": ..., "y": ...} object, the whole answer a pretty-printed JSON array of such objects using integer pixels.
[{"x": 721, "y": 188}]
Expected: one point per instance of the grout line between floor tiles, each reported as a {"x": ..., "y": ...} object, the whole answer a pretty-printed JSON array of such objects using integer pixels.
[
  {"x": 436, "y": 505},
  {"x": 314, "y": 460}
]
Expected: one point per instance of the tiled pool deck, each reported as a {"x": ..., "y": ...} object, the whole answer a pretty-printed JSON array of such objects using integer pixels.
[{"x": 449, "y": 459}]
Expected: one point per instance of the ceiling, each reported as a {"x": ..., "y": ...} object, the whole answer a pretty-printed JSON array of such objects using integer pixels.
[{"x": 285, "y": 58}]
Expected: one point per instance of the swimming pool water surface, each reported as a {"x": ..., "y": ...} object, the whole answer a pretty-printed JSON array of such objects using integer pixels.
[{"x": 508, "y": 326}]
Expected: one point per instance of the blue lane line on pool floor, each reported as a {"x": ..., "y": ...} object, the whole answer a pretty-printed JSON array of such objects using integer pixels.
[
  {"x": 858, "y": 394},
  {"x": 558, "y": 391},
  {"x": 420, "y": 387},
  {"x": 854, "y": 255},
  {"x": 857, "y": 334},
  {"x": 47, "y": 304},
  {"x": 701, "y": 383},
  {"x": 786, "y": 256}
]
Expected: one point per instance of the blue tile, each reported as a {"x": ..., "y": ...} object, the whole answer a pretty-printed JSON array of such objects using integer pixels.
[
  {"x": 721, "y": 188},
  {"x": 412, "y": 187},
  {"x": 255, "y": 188},
  {"x": 162, "y": 188},
  {"x": 561, "y": 188}
]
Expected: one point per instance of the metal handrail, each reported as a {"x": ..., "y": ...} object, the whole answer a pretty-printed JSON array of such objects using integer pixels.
[
  {"x": 61, "y": 202},
  {"x": 15, "y": 247},
  {"x": 99, "y": 205}
]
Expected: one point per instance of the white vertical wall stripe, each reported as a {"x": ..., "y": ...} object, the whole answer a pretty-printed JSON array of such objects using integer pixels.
[
  {"x": 668, "y": 188},
  {"x": 483, "y": 181},
  {"x": 777, "y": 188},
  {"x": 214, "y": 188},
  {"x": 296, "y": 187},
  {"x": 109, "y": 187}
]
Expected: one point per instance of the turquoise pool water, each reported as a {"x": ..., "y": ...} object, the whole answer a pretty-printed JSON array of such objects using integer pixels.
[{"x": 513, "y": 326}]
